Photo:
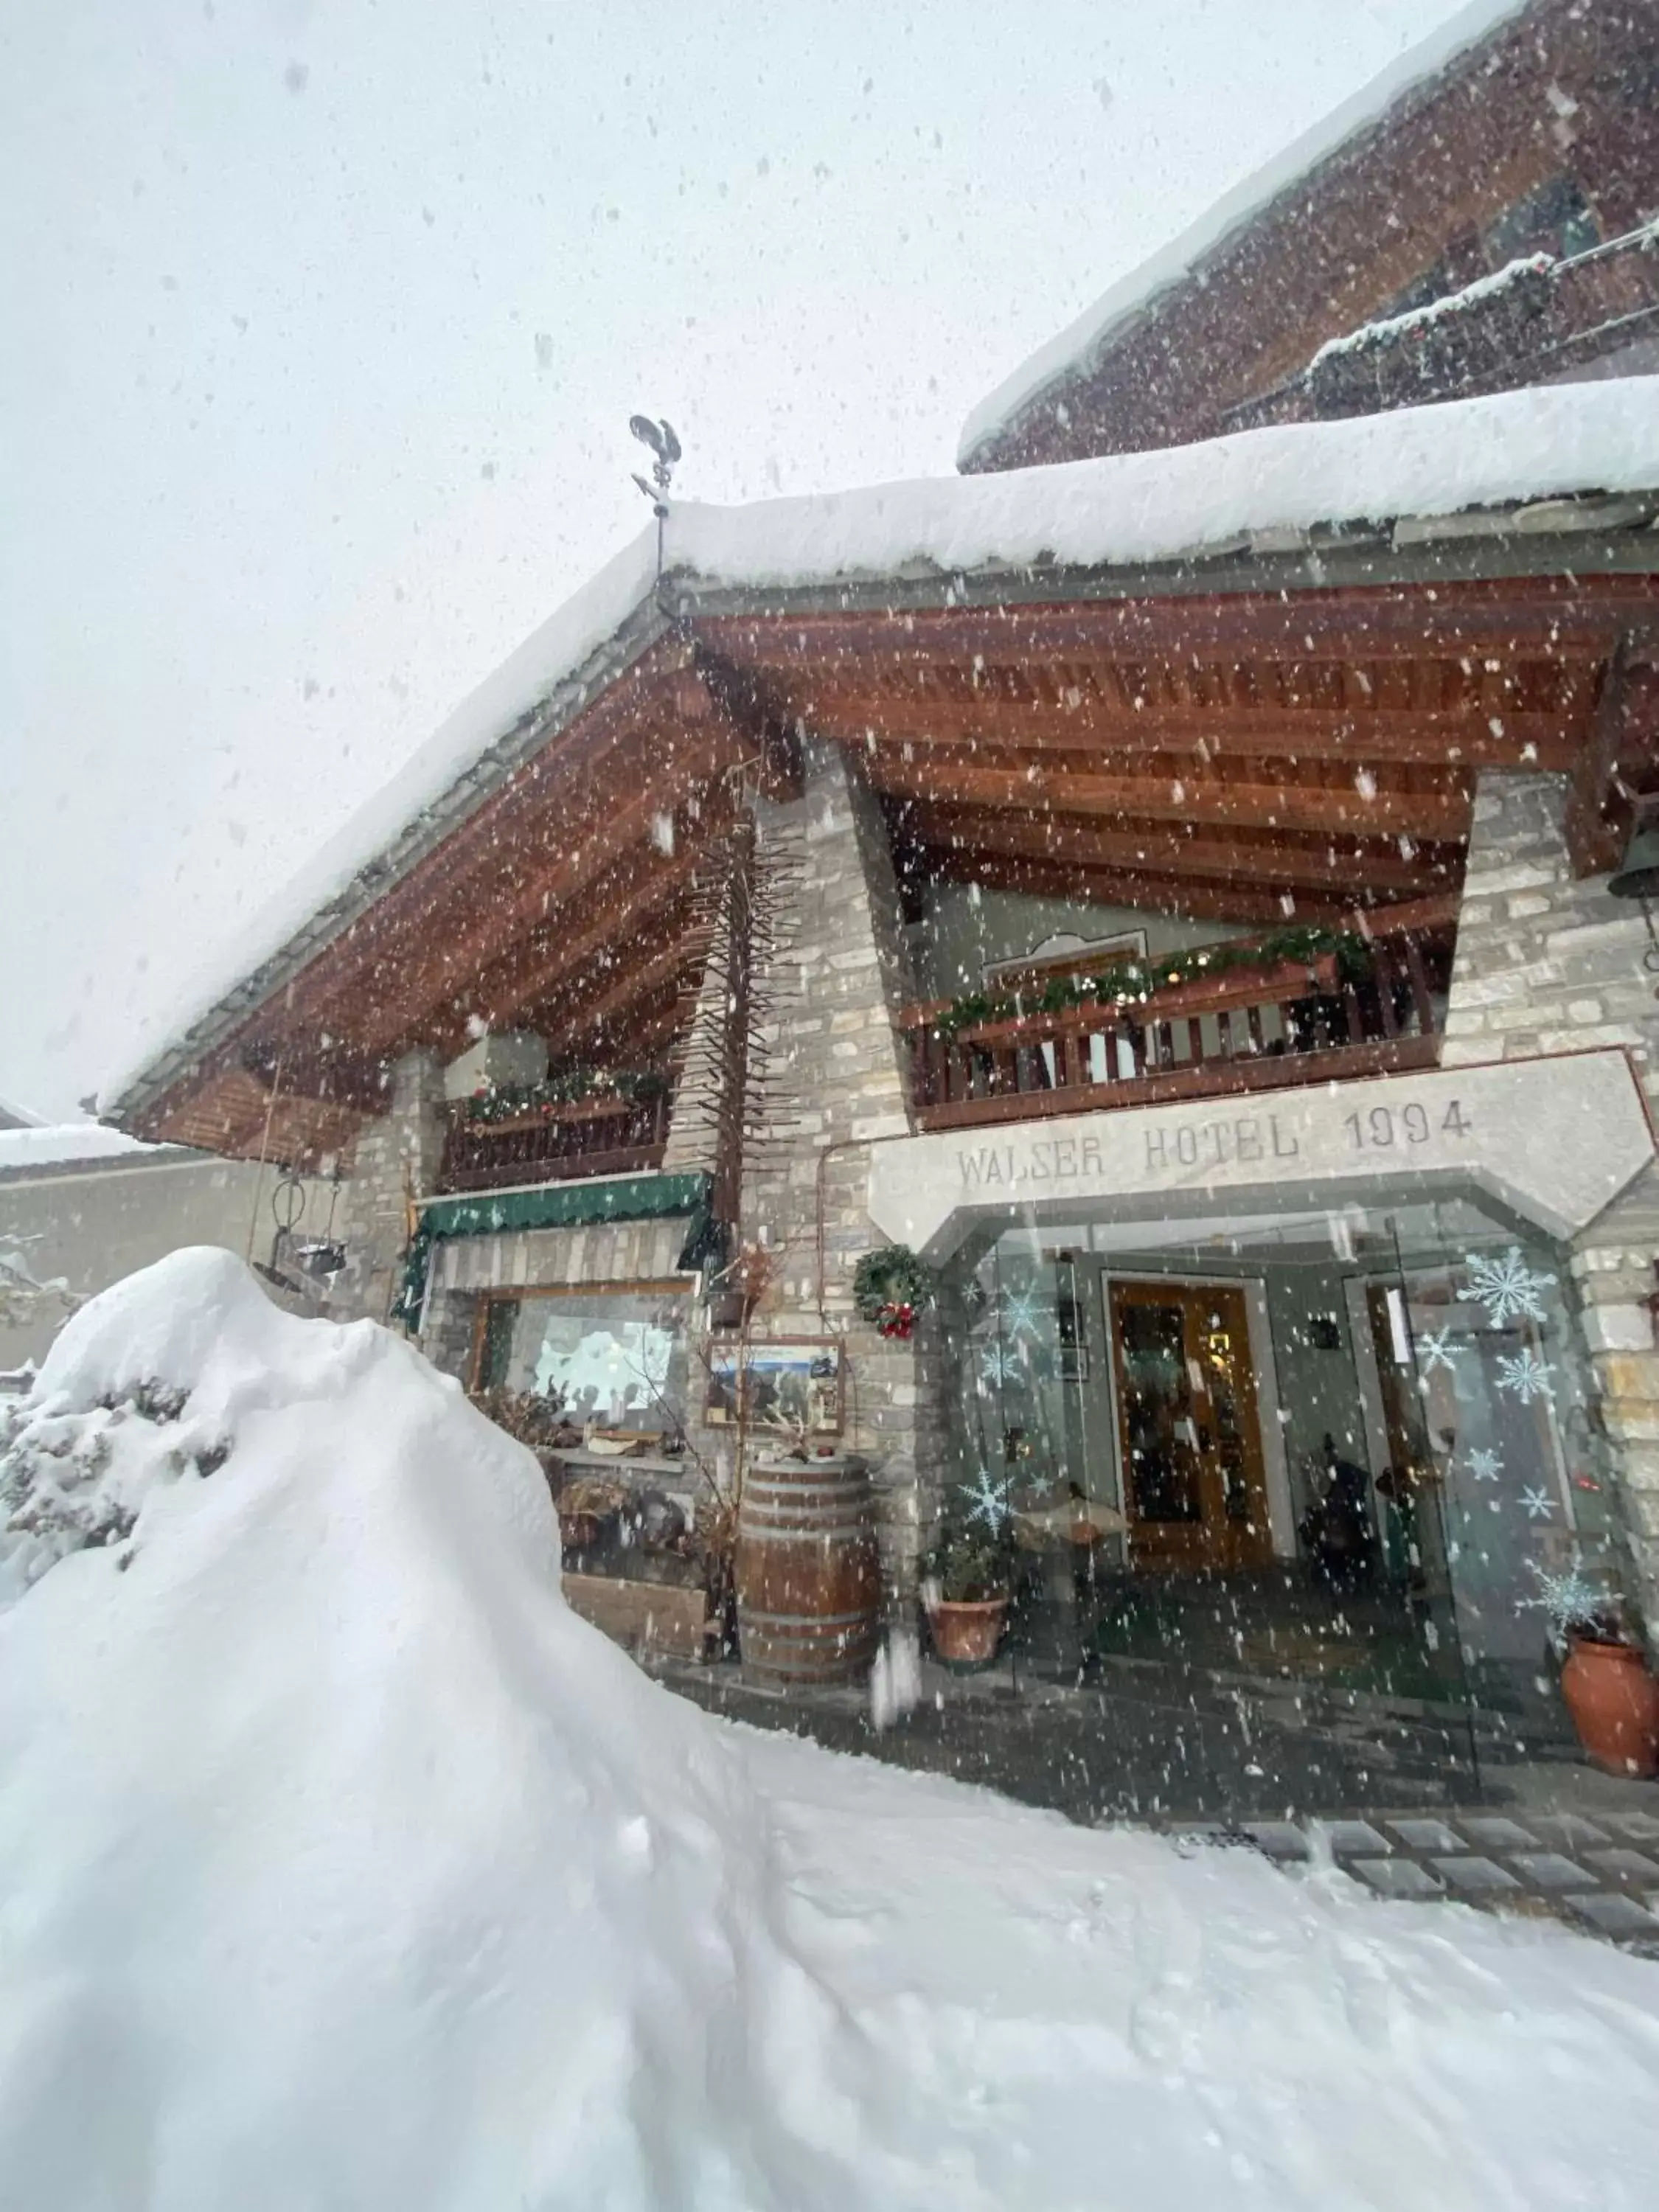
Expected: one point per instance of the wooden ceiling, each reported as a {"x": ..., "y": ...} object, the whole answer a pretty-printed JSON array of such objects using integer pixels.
[
  {"x": 567, "y": 903},
  {"x": 1239, "y": 759},
  {"x": 1231, "y": 759}
]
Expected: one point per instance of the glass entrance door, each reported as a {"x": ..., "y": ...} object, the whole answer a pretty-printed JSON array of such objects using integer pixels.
[{"x": 1195, "y": 1484}]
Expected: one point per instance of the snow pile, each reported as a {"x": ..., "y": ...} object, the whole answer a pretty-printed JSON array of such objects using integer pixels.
[
  {"x": 341, "y": 1865},
  {"x": 1435, "y": 311},
  {"x": 1539, "y": 443},
  {"x": 1079, "y": 344},
  {"x": 64, "y": 1145}
]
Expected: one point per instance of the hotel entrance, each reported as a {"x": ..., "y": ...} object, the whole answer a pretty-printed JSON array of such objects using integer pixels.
[
  {"x": 1189, "y": 1458},
  {"x": 1325, "y": 1463}
]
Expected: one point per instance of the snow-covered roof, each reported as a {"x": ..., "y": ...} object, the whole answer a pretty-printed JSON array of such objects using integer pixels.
[
  {"x": 1075, "y": 346},
  {"x": 67, "y": 1145},
  {"x": 1123, "y": 511},
  {"x": 1449, "y": 305}
]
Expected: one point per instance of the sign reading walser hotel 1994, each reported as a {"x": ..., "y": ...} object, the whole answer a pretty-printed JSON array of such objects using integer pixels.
[
  {"x": 1513, "y": 1130},
  {"x": 1213, "y": 1140}
]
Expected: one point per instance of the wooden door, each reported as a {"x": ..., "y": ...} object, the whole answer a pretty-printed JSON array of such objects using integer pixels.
[{"x": 1195, "y": 1484}]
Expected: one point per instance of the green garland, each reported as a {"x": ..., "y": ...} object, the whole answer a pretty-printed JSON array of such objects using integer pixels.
[
  {"x": 1132, "y": 979},
  {"x": 519, "y": 1102}
]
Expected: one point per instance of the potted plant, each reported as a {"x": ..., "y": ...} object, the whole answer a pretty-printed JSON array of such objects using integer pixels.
[
  {"x": 1612, "y": 1698},
  {"x": 964, "y": 1592}
]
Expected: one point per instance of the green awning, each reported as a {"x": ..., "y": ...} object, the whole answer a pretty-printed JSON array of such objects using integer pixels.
[{"x": 558, "y": 1205}]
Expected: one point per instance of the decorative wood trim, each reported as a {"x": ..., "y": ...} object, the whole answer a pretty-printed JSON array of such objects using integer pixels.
[{"x": 1218, "y": 1080}]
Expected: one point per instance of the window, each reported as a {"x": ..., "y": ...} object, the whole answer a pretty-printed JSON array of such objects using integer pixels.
[{"x": 617, "y": 1357}]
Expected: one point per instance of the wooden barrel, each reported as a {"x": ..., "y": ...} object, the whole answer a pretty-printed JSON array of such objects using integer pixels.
[{"x": 808, "y": 1579}]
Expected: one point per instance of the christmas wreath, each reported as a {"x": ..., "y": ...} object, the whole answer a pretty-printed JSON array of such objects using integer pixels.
[{"x": 891, "y": 1287}]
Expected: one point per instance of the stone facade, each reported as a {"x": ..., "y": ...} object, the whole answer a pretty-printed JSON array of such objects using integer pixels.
[
  {"x": 835, "y": 1086},
  {"x": 398, "y": 1157},
  {"x": 1550, "y": 963}
]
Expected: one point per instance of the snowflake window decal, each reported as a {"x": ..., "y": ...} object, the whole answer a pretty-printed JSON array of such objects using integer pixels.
[
  {"x": 1484, "y": 1465},
  {"x": 1525, "y": 1376},
  {"x": 986, "y": 1502},
  {"x": 1435, "y": 1349},
  {"x": 998, "y": 1363},
  {"x": 1539, "y": 1505},
  {"x": 1021, "y": 1315},
  {"x": 1506, "y": 1287}
]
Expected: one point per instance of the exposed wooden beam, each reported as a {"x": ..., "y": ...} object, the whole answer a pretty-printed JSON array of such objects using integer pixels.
[
  {"x": 1551, "y": 615},
  {"x": 659, "y": 698},
  {"x": 555, "y": 869},
  {"x": 332, "y": 1075},
  {"x": 1530, "y": 739},
  {"x": 585, "y": 1011},
  {"x": 775, "y": 758},
  {"x": 1193, "y": 896},
  {"x": 1341, "y": 863},
  {"x": 629, "y": 910},
  {"x": 1440, "y": 816}
]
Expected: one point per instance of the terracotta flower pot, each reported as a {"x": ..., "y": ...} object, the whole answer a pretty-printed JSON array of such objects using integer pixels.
[
  {"x": 966, "y": 1633},
  {"x": 1614, "y": 1703}
]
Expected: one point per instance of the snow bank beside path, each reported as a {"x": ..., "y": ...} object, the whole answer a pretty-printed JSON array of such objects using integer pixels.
[{"x": 341, "y": 1864}]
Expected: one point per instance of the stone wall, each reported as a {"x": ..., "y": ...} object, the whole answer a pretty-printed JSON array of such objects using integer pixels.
[
  {"x": 835, "y": 1084},
  {"x": 398, "y": 1155},
  {"x": 1548, "y": 963},
  {"x": 1544, "y": 962}
]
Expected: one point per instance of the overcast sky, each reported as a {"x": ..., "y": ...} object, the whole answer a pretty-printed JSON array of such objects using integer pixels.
[{"x": 322, "y": 325}]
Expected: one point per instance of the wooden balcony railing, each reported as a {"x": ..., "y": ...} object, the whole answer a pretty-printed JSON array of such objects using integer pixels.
[
  {"x": 586, "y": 1137},
  {"x": 1247, "y": 1029}
]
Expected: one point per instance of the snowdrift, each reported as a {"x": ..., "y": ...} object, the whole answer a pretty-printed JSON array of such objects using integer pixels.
[{"x": 340, "y": 1865}]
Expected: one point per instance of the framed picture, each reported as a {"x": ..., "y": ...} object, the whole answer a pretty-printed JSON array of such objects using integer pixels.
[
  {"x": 780, "y": 1383},
  {"x": 725, "y": 1381}
]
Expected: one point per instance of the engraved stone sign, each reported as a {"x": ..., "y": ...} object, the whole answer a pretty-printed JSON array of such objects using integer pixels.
[{"x": 1554, "y": 1141}]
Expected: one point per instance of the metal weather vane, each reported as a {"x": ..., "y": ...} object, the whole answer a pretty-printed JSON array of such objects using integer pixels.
[{"x": 660, "y": 438}]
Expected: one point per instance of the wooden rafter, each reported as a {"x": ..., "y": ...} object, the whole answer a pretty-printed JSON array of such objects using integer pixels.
[
  {"x": 1166, "y": 849},
  {"x": 1575, "y": 616},
  {"x": 644, "y": 900},
  {"x": 1363, "y": 808},
  {"x": 1198, "y": 898}
]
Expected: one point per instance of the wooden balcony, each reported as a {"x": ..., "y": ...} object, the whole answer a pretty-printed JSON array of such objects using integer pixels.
[
  {"x": 584, "y": 1138},
  {"x": 1261, "y": 1029}
]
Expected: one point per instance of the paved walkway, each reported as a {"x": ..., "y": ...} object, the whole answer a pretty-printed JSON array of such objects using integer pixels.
[
  {"x": 1412, "y": 1808},
  {"x": 1600, "y": 1874}
]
